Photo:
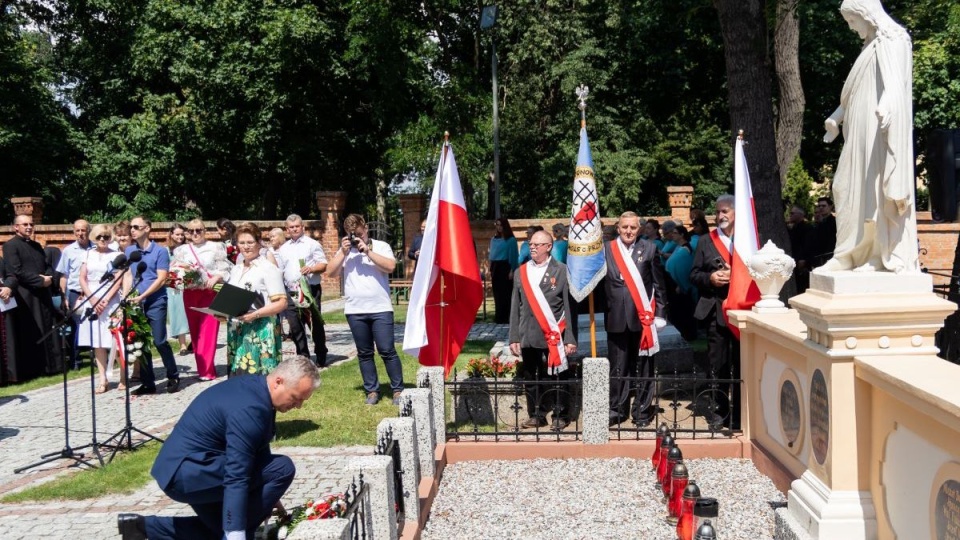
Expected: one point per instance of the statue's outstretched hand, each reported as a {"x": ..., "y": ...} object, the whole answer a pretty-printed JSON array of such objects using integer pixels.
[
  {"x": 830, "y": 125},
  {"x": 884, "y": 115}
]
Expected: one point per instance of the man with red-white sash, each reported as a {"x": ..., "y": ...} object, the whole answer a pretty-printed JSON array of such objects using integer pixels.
[
  {"x": 541, "y": 333},
  {"x": 636, "y": 309},
  {"x": 711, "y": 275}
]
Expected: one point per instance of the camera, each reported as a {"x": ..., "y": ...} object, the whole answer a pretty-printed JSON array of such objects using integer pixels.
[
  {"x": 719, "y": 263},
  {"x": 354, "y": 240}
]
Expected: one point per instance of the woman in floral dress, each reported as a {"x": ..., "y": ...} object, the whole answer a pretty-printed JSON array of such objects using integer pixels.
[{"x": 253, "y": 339}]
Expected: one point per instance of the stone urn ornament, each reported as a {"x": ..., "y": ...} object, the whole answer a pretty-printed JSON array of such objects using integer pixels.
[{"x": 770, "y": 268}]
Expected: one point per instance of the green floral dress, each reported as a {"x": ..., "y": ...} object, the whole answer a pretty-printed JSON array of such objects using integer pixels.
[{"x": 254, "y": 347}]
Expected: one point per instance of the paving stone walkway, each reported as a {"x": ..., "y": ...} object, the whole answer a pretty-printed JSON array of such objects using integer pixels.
[{"x": 32, "y": 424}]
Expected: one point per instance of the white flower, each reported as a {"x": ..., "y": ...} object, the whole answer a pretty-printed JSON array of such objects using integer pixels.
[
  {"x": 283, "y": 532},
  {"x": 137, "y": 354},
  {"x": 138, "y": 345}
]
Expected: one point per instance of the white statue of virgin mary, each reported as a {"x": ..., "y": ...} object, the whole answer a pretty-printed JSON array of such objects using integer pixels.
[{"x": 873, "y": 186}]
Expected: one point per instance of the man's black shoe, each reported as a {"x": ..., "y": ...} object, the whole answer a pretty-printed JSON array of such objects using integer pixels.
[
  {"x": 132, "y": 527},
  {"x": 173, "y": 386},
  {"x": 144, "y": 390},
  {"x": 614, "y": 420},
  {"x": 559, "y": 424},
  {"x": 642, "y": 421},
  {"x": 533, "y": 423}
]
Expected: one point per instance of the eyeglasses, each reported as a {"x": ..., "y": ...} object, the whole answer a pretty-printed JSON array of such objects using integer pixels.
[
  {"x": 103, "y": 237},
  {"x": 195, "y": 231},
  {"x": 138, "y": 227},
  {"x": 540, "y": 244}
]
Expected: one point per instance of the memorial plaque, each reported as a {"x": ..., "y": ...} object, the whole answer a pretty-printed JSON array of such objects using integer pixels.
[
  {"x": 947, "y": 511},
  {"x": 790, "y": 412},
  {"x": 819, "y": 417}
]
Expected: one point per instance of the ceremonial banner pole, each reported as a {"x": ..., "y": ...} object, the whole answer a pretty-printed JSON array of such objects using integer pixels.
[{"x": 585, "y": 260}]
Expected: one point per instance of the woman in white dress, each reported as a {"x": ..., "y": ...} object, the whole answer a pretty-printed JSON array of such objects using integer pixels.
[
  {"x": 211, "y": 259},
  {"x": 95, "y": 333},
  {"x": 253, "y": 339}
]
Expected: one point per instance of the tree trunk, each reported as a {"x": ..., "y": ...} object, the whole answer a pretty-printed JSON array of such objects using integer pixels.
[
  {"x": 786, "y": 44},
  {"x": 744, "y": 29}
]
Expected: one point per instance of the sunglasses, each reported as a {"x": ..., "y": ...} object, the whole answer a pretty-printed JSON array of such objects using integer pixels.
[
  {"x": 103, "y": 237},
  {"x": 138, "y": 227},
  {"x": 195, "y": 231}
]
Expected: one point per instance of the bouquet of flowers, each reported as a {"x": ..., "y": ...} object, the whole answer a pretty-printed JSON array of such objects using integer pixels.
[
  {"x": 326, "y": 507},
  {"x": 131, "y": 335},
  {"x": 232, "y": 253},
  {"x": 185, "y": 276},
  {"x": 491, "y": 367}
]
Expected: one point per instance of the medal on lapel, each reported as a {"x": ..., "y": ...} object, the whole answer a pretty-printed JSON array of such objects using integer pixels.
[{"x": 553, "y": 283}]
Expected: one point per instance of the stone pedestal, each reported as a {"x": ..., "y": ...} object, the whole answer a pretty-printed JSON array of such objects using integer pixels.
[
  {"x": 414, "y": 208},
  {"x": 681, "y": 200},
  {"x": 322, "y": 529},
  {"x": 30, "y": 206},
  {"x": 596, "y": 401},
  {"x": 846, "y": 315}
]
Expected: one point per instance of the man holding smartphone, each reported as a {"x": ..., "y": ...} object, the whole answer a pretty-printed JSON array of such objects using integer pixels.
[{"x": 711, "y": 275}]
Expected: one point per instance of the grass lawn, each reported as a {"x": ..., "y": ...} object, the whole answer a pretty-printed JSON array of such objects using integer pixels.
[
  {"x": 336, "y": 415},
  {"x": 400, "y": 314}
]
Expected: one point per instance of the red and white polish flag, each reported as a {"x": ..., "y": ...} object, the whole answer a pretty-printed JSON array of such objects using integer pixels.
[{"x": 743, "y": 292}]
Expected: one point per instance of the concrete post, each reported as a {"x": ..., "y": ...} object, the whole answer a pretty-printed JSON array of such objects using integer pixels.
[
  {"x": 596, "y": 401},
  {"x": 420, "y": 399},
  {"x": 322, "y": 529},
  {"x": 434, "y": 376},
  {"x": 405, "y": 433},
  {"x": 381, "y": 511}
]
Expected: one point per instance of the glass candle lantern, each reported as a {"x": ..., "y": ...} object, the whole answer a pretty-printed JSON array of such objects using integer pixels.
[
  {"x": 685, "y": 523},
  {"x": 665, "y": 445},
  {"x": 661, "y": 431},
  {"x": 673, "y": 456},
  {"x": 678, "y": 483},
  {"x": 706, "y": 509}
]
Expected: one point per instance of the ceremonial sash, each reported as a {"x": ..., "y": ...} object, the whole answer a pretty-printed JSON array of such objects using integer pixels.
[
  {"x": 646, "y": 306},
  {"x": 721, "y": 247},
  {"x": 199, "y": 262},
  {"x": 551, "y": 328},
  {"x": 117, "y": 333}
]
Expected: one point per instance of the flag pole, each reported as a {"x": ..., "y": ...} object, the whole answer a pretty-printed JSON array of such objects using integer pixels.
[
  {"x": 593, "y": 319},
  {"x": 443, "y": 288}
]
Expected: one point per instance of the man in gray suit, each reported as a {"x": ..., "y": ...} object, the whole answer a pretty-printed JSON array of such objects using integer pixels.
[
  {"x": 541, "y": 332},
  {"x": 636, "y": 309}
]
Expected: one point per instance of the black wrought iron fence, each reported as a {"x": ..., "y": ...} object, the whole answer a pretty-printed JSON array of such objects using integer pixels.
[
  {"x": 498, "y": 408},
  {"x": 387, "y": 446},
  {"x": 694, "y": 405},
  {"x": 357, "y": 496}
]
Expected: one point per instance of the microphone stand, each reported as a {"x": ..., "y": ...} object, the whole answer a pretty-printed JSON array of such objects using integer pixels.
[
  {"x": 123, "y": 439},
  {"x": 67, "y": 452}
]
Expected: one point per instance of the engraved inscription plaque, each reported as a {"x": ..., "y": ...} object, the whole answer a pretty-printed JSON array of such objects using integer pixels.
[
  {"x": 790, "y": 412},
  {"x": 819, "y": 417},
  {"x": 947, "y": 511}
]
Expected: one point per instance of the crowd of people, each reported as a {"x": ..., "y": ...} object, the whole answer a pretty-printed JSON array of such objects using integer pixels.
[
  {"x": 170, "y": 284},
  {"x": 655, "y": 273}
]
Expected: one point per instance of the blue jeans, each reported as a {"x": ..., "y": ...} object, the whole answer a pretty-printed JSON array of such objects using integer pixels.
[
  {"x": 370, "y": 328},
  {"x": 268, "y": 484},
  {"x": 156, "y": 311}
]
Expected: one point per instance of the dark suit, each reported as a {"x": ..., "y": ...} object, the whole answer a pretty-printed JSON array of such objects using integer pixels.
[
  {"x": 218, "y": 461},
  {"x": 624, "y": 329},
  {"x": 525, "y": 330},
  {"x": 723, "y": 348}
]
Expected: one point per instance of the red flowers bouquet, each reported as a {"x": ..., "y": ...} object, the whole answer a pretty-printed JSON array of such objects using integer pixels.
[
  {"x": 133, "y": 333},
  {"x": 185, "y": 276},
  {"x": 232, "y": 253},
  {"x": 326, "y": 507},
  {"x": 491, "y": 367}
]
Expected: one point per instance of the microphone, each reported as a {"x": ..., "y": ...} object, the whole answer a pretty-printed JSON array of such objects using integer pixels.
[
  {"x": 117, "y": 264},
  {"x": 142, "y": 267},
  {"x": 136, "y": 256}
]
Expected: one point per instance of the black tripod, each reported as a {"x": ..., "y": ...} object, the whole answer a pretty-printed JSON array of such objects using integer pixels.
[
  {"x": 62, "y": 327},
  {"x": 123, "y": 439}
]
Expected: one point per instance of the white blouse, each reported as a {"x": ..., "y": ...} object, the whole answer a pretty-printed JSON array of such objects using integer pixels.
[
  {"x": 211, "y": 257},
  {"x": 260, "y": 276}
]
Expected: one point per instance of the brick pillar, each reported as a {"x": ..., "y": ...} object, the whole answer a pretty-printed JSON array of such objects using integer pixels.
[
  {"x": 331, "y": 204},
  {"x": 31, "y": 206},
  {"x": 414, "y": 207},
  {"x": 681, "y": 199}
]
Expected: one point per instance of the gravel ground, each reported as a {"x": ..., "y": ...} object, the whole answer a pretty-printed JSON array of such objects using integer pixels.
[{"x": 591, "y": 498}]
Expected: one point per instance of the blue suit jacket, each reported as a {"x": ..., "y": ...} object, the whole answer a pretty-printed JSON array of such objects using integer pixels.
[{"x": 220, "y": 441}]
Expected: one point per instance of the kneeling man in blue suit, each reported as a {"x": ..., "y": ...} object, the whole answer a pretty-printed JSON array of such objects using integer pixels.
[{"x": 218, "y": 459}]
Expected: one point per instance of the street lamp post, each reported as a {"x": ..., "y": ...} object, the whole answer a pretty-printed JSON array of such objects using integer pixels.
[{"x": 488, "y": 19}]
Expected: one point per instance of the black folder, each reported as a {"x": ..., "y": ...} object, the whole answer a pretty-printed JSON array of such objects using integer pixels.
[{"x": 232, "y": 301}]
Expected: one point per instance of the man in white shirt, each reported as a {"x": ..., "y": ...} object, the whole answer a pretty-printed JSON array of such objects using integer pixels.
[
  {"x": 303, "y": 256},
  {"x": 69, "y": 270},
  {"x": 366, "y": 266}
]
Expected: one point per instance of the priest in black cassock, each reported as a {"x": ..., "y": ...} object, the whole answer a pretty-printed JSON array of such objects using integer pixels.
[{"x": 28, "y": 274}]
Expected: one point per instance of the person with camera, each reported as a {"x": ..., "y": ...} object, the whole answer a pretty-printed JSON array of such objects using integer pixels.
[
  {"x": 711, "y": 275},
  {"x": 303, "y": 260},
  {"x": 366, "y": 266}
]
